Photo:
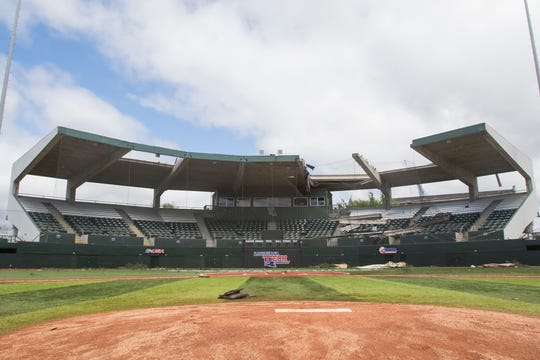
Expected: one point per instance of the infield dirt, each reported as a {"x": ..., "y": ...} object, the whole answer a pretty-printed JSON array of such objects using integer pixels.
[{"x": 248, "y": 330}]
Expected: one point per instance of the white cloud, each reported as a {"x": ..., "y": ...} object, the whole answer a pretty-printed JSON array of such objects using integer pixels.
[
  {"x": 359, "y": 75},
  {"x": 52, "y": 99},
  {"x": 41, "y": 98},
  {"x": 316, "y": 78}
]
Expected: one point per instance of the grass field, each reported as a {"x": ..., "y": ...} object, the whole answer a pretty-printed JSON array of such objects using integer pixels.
[{"x": 94, "y": 291}]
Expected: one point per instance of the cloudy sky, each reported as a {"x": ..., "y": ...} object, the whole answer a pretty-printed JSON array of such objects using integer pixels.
[{"x": 321, "y": 79}]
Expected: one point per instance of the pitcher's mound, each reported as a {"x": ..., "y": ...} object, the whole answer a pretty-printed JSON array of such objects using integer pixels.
[{"x": 282, "y": 330}]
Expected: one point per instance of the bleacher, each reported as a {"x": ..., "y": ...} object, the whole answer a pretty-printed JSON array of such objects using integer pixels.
[
  {"x": 236, "y": 230},
  {"x": 439, "y": 218},
  {"x": 98, "y": 225},
  {"x": 40, "y": 215},
  {"x": 427, "y": 221},
  {"x": 306, "y": 228},
  {"x": 93, "y": 219},
  {"x": 172, "y": 230},
  {"x": 46, "y": 222},
  {"x": 497, "y": 220},
  {"x": 165, "y": 223},
  {"x": 447, "y": 223}
]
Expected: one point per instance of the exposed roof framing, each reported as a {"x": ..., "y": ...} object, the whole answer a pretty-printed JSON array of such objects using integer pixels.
[{"x": 79, "y": 157}]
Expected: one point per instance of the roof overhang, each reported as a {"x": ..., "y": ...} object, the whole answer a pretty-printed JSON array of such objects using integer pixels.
[
  {"x": 463, "y": 154},
  {"x": 474, "y": 151},
  {"x": 81, "y": 157}
]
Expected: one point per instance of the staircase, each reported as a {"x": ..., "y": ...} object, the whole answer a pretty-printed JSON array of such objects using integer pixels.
[
  {"x": 58, "y": 216},
  {"x": 485, "y": 214},
  {"x": 210, "y": 241},
  {"x": 272, "y": 225},
  {"x": 133, "y": 228},
  {"x": 418, "y": 215}
]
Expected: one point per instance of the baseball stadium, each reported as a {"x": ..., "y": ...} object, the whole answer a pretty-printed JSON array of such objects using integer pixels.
[
  {"x": 272, "y": 268},
  {"x": 269, "y": 205}
]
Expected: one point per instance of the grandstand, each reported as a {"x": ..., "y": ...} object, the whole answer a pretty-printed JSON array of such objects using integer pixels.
[{"x": 268, "y": 203}]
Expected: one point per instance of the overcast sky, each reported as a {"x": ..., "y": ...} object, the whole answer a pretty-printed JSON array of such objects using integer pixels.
[{"x": 321, "y": 79}]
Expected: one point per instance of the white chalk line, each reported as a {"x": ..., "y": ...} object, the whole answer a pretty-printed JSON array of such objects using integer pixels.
[{"x": 339, "y": 310}]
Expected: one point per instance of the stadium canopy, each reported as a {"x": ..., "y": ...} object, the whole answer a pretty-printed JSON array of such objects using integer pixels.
[
  {"x": 80, "y": 157},
  {"x": 462, "y": 154},
  {"x": 474, "y": 151}
]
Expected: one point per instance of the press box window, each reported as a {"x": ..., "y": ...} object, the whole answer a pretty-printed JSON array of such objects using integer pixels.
[
  {"x": 300, "y": 202},
  {"x": 226, "y": 202},
  {"x": 243, "y": 202},
  {"x": 317, "y": 201}
]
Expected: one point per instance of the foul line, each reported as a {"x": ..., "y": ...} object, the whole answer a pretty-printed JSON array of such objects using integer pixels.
[{"x": 341, "y": 310}]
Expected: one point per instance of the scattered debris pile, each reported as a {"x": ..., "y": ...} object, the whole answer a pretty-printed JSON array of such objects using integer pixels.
[
  {"x": 503, "y": 265},
  {"x": 388, "y": 265},
  {"x": 235, "y": 295}
]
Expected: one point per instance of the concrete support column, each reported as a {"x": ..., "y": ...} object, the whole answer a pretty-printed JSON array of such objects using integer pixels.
[
  {"x": 71, "y": 191},
  {"x": 157, "y": 199},
  {"x": 473, "y": 190}
]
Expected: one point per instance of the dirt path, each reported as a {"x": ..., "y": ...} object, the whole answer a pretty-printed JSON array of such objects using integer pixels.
[{"x": 255, "y": 330}]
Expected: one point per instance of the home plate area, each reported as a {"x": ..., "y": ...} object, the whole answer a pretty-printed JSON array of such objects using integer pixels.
[{"x": 282, "y": 330}]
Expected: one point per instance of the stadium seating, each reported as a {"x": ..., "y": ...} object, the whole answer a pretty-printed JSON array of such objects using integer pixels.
[
  {"x": 497, "y": 220},
  {"x": 41, "y": 215},
  {"x": 236, "y": 230},
  {"x": 306, "y": 228},
  {"x": 98, "y": 225},
  {"x": 419, "y": 221},
  {"x": 447, "y": 223},
  {"x": 439, "y": 220},
  {"x": 46, "y": 222},
  {"x": 172, "y": 230}
]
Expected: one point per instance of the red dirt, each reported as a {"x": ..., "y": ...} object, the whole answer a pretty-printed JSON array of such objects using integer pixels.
[{"x": 253, "y": 330}]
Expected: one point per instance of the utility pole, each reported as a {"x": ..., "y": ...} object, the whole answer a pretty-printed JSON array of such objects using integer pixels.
[{"x": 8, "y": 63}]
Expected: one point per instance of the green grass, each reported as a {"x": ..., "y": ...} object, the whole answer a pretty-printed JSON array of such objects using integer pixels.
[
  {"x": 32, "y": 300},
  {"x": 19, "y": 287},
  {"x": 48, "y": 274},
  {"x": 112, "y": 296},
  {"x": 435, "y": 270},
  {"x": 294, "y": 288},
  {"x": 509, "y": 290},
  {"x": 23, "y": 304},
  {"x": 431, "y": 291}
]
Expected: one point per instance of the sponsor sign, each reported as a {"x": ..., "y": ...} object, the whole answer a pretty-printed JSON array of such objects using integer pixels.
[
  {"x": 154, "y": 251},
  {"x": 387, "y": 250},
  {"x": 272, "y": 258}
]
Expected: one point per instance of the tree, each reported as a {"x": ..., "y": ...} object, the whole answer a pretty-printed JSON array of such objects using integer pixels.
[{"x": 371, "y": 202}]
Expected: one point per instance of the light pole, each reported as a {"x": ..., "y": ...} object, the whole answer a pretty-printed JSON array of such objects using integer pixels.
[
  {"x": 8, "y": 63},
  {"x": 533, "y": 45}
]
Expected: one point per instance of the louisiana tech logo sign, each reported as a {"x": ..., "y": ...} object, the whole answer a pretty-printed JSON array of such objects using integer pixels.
[
  {"x": 272, "y": 258},
  {"x": 387, "y": 250},
  {"x": 154, "y": 251}
]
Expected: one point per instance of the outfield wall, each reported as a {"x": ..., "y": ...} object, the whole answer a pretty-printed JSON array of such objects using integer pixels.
[{"x": 37, "y": 255}]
